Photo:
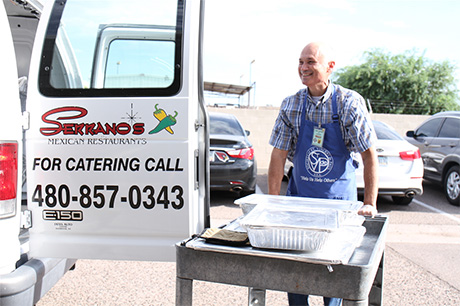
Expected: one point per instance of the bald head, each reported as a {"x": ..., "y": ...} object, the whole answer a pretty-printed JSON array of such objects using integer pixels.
[
  {"x": 315, "y": 66},
  {"x": 321, "y": 51}
]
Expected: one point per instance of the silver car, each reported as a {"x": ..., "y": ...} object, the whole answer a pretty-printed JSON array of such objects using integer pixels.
[{"x": 438, "y": 139}]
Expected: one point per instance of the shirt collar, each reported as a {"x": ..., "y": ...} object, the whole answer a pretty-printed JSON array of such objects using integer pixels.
[{"x": 324, "y": 97}]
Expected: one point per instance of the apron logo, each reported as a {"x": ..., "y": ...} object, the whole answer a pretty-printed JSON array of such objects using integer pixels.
[{"x": 318, "y": 161}]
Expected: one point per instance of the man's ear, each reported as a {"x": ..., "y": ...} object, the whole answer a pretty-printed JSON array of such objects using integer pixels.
[{"x": 330, "y": 66}]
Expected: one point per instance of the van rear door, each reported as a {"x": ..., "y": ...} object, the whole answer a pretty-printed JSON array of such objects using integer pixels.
[
  {"x": 10, "y": 152},
  {"x": 117, "y": 145}
]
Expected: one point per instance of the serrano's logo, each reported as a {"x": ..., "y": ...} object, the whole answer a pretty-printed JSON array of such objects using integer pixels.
[
  {"x": 59, "y": 118},
  {"x": 318, "y": 161}
]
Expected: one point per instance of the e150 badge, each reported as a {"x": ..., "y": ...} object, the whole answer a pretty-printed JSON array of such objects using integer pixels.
[{"x": 63, "y": 215}]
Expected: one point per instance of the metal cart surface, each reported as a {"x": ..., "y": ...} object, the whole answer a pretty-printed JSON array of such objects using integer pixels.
[{"x": 357, "y": 282}]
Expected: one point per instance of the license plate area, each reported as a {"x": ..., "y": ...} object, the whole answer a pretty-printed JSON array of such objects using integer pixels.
[{"x": 383, "y": 161}]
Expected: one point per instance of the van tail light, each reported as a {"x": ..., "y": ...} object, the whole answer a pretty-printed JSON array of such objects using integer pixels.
[
  {"x": 8, "y": 178},
  {"x": 246, "y": 153},
  {"x": 410, "y": 155}
]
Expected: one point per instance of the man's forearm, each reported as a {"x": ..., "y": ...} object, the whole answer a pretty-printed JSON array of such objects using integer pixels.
[
  {"x": 371, "y": 177},
  {"x": 276, "y": 171}
]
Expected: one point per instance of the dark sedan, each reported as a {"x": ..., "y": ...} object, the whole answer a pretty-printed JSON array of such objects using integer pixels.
[
  {"x": 438, "y": 139},
  {"x": 232, "y": 163}
]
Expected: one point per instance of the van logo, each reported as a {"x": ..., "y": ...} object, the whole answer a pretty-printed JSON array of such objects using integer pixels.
[
  {"x": 60, "y": 121},
  {"x": 165, "y": 122}
]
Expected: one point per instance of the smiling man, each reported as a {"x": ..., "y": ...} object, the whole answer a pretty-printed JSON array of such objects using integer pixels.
[{"x": 318, "y": 129}]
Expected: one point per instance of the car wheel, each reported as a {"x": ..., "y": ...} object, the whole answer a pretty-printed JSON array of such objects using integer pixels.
[
  {"x": 452, "y": 185},
  {"x": 402, "y": 200}
]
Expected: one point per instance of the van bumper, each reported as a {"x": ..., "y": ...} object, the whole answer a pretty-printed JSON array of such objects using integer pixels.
[{"x": 32, "y": 280}]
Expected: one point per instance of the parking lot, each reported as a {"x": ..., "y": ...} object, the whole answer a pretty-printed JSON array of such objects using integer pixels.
[{"x": 421, "y": 263}]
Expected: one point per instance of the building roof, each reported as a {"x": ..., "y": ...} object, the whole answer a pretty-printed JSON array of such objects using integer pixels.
[{"x": 229, "y": 89}]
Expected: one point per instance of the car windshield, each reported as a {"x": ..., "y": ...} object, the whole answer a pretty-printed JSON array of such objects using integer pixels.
[
  {"x": 225, "y": 126},
  {"x": 384, "y": 132}
]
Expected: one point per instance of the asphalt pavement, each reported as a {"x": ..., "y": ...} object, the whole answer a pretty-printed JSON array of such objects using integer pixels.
[{"x": 421, "y": 267}]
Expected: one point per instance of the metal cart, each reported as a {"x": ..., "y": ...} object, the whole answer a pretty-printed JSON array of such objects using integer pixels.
[{"x": 357, "y": 282}]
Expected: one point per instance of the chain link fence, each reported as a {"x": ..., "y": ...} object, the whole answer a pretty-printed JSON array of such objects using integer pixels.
[{"x": 405, "y": 107}]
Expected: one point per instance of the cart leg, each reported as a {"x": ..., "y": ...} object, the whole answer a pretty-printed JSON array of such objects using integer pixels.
[
  {"x": 184, "y": 291},
  {"x": 256, "y": 297},
  {"x": 376, "y": 294}
]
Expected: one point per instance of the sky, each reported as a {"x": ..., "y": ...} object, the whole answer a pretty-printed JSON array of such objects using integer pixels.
[{"x": 260, "y": 41}]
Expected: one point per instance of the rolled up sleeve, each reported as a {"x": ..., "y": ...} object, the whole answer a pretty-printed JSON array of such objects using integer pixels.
[
  {"x": 286, "y": 129},
  {"x": 359, "y": 130}
]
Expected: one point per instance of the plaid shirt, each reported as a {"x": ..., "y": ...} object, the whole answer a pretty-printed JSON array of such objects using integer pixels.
[{"x": 356, "y": 126}]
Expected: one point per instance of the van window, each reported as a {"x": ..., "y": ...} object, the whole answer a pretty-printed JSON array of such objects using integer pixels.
[
  {"x": 139, "y": 63},
  {"x": 113, "y": 48}
]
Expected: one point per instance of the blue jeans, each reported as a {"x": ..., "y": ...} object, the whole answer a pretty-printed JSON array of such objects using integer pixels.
[{"x": 302, "y": 300}]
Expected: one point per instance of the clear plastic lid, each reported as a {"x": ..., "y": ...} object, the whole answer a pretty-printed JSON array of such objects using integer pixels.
[
  {"x": 344, "y": 205},
  {"x": 297, "y": 212},
  {"x": 276, "y": 215}
]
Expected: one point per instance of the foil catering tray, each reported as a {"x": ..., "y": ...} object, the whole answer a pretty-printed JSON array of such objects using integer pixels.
[
  {"x": 299, "y": 228},
  {"x": 307, "y": 240},
  {"x": 346, "y": 211}
]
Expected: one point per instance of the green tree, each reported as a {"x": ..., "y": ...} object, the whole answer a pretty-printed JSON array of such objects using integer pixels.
[{"x": 405, "y": 83}]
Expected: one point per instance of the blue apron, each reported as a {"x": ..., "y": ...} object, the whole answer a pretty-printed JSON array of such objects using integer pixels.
[{"x": 322, "y": 172}]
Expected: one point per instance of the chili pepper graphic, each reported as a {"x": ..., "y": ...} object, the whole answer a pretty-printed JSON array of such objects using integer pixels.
[
  {"x": 160, "y": 114},
  {"x": 165, "y": 123}
]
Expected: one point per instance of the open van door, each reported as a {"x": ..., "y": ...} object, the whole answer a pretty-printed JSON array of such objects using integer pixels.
[
  {"x": 10, "y": 153},
  {"x": 117, "y": 147}
]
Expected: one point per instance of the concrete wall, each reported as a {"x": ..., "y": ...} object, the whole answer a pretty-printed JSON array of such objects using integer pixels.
[{"x": 259, "y": 121}]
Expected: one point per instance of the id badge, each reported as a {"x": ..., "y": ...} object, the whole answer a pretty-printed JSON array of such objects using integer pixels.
[{"x": 318, "y": 137}]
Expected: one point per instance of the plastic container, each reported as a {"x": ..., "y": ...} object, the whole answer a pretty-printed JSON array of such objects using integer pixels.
[
  {"x": 347, "y": 211},
  {"x": 300, "y": 227},
  {"x": 249, "y": 202}
]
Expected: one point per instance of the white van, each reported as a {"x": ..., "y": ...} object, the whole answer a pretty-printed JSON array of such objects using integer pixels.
[{"x": 115, "y": 124}]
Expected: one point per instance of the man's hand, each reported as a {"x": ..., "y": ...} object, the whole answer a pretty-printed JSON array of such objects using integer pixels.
[{"x": 368, "y": 210}]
